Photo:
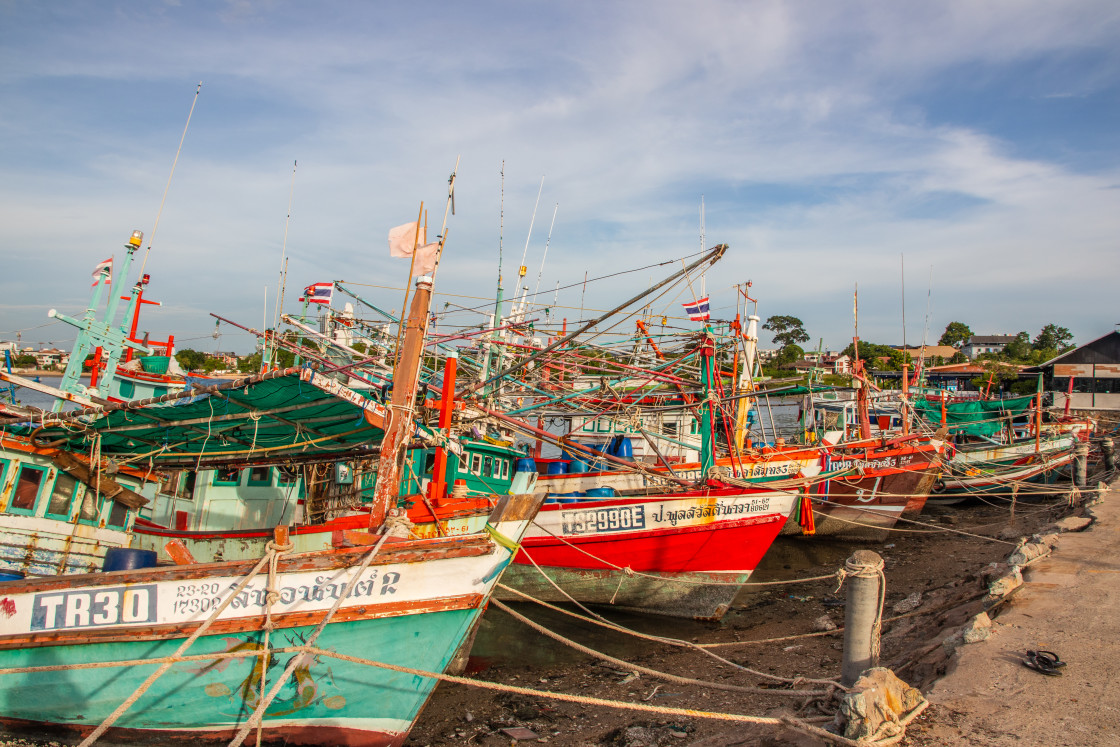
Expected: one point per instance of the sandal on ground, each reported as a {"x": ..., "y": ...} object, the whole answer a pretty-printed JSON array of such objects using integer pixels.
[
  {"x": 1043, "y": 664},
  {"x": 1051, "y": 658}
]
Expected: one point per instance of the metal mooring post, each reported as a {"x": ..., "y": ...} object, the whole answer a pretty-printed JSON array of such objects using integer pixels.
[
  {"x": 864, "y": 576},
  {"x": 1109, "y": 454},
  {"x": 1080, "y": 464}
]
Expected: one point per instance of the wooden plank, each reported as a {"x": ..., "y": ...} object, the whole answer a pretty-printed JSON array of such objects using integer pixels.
[
  {"x": 248, "y": 624},
  {"x": 74, "y": 467},
  {"x": 406, "y": 551}
]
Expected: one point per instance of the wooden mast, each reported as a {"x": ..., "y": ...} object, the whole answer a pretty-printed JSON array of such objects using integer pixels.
[{"x": 406, "y": 377}]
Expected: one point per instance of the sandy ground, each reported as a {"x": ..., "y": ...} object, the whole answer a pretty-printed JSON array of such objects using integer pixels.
[
  {"x": 1069, "y": 605},
  {"x": 948, "y": 569}
]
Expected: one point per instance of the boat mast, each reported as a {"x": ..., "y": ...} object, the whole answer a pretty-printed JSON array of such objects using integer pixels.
[{"x": 406, "y": 376}]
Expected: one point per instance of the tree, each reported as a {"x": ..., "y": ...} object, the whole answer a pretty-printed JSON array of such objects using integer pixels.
[
  {"x": 25, "y": 360},
  {"x": 788, "y": 355},
  {"x": 191, "y": 360},
  {"x": 874, "y": 356},
  {"x": 1018, "y": 349},
  {"x": 955, "y": 334},
  {"x": 1053, "y": 337},
  {"x": 788, "y": 330}
]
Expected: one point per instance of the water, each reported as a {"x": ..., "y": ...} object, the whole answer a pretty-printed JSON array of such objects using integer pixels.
[{"x": 31, "y": 398}]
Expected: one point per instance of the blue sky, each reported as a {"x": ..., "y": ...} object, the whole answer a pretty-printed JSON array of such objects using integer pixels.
[{"x": 981, "y": 141}]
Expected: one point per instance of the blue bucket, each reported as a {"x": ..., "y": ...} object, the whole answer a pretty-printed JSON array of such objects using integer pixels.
[
  {"x": 559, "y": 467},
  {"x": 6, "y": 575},
  {"x": 128, "y": 559}
]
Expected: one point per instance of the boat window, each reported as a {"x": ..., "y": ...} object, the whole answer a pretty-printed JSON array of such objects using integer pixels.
[
  {"x": 61, "y": 495},
  {"x": 693, "y": 426},
  {"x": 476, "y": 463},
  {"x": 159, "y": 391},
  {"x": 185, "y": 486},
  {"x": 259, "y": 476},
  {"x": 429, "y": 462},
  {"x": 488, "y": 467},
  {"x": 27, "y": 489},
  {"x": 464, "y": 462},
  {"x": 589, "y": 425},
  {"x": 669, "y": 429},
  {"x": 505, "y": 469},
  {"x": 128, "y": 389},
  {"x": 287, "y": 475},
  {"x": 227, "y": 476},
  {"x": 605, "y": 425},
  {"x": 88, "y": 512},
  {"x": 118, "y": 515}
]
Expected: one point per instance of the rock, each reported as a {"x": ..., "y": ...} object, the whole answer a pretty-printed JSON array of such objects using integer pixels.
[
  {"x": 911, "y": 602},
  {"x": 1009, "y": 533},
  {"x": 1006, "y": 584},
  {"x": 978, "y": 629},
  {"x": 823, "y": 624},
  {"x": 876, "y": 705},
  {"x": 1073, "y": 523},
  {"x": 1027, "y": 552}
]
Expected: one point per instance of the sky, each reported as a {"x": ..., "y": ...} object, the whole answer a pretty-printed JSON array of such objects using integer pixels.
[{"x": 963, "y": 156}]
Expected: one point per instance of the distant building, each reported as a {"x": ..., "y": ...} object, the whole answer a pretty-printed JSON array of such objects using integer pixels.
[
  {"x": 50, "y": 357},
  {"x": 1092, "y": 368},
  {"x": 229, "y": 360},
  {"x": 978, "y": 344},
  {"x": 842, "y": 364},
  {"x": 930, "y": 353}
]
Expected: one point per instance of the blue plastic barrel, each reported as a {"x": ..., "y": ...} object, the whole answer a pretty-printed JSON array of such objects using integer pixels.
[
  {"x": 524, "y": 465},
  {"x": 577, "y": 466},
  {"x": 127, "y": 559},
  {"x": 6, "y": 575},
  {"x": 601, "y": 493},
  {"x": 624, "y": 449},
  {"x": 558, "y": 467}
]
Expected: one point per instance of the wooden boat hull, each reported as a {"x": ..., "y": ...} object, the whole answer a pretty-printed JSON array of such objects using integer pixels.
[
  {"x": 995, "y": 467},
  {"x": 691, "y": 551},
  {"x": 761, "y": 468},
  {"x": 414, "y": 606},
  {"x": 890, "y": 483}
]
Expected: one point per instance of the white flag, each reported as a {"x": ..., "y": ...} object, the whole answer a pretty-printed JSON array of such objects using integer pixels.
[{"x": 402, "y": 239}]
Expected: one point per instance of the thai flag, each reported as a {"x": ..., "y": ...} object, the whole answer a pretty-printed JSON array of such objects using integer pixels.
[
  {"x": 104, "y": 270},
  {"x": 697, "y": 310},
  {"x": 318, "y": 293}
]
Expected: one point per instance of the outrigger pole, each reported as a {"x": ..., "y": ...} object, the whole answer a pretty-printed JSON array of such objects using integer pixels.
[{"x": 711, "y": 257}]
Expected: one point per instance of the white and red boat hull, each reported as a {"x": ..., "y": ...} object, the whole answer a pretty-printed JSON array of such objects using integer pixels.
[{"x": 679, "y": 554}]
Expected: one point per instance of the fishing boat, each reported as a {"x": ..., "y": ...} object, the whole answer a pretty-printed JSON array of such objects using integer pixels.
[
  {"x": 683, "y": 552},
  {"x": 60, "y": 515},
  {"x": 998, "y": 443},
  {"x": 329, "y": 646}
]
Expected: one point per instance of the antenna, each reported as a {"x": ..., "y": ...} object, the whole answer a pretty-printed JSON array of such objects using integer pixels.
[
  {"x": 284, "y": 247},
  {"x": 524, "y": 254},
  {"x": 174, "y": 163},
  {"x": 902, "y": 270},
  {"x": 546, "y": 243}
]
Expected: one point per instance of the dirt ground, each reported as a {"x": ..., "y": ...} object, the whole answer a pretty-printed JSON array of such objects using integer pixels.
[{"x": 948, "y": 569}]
